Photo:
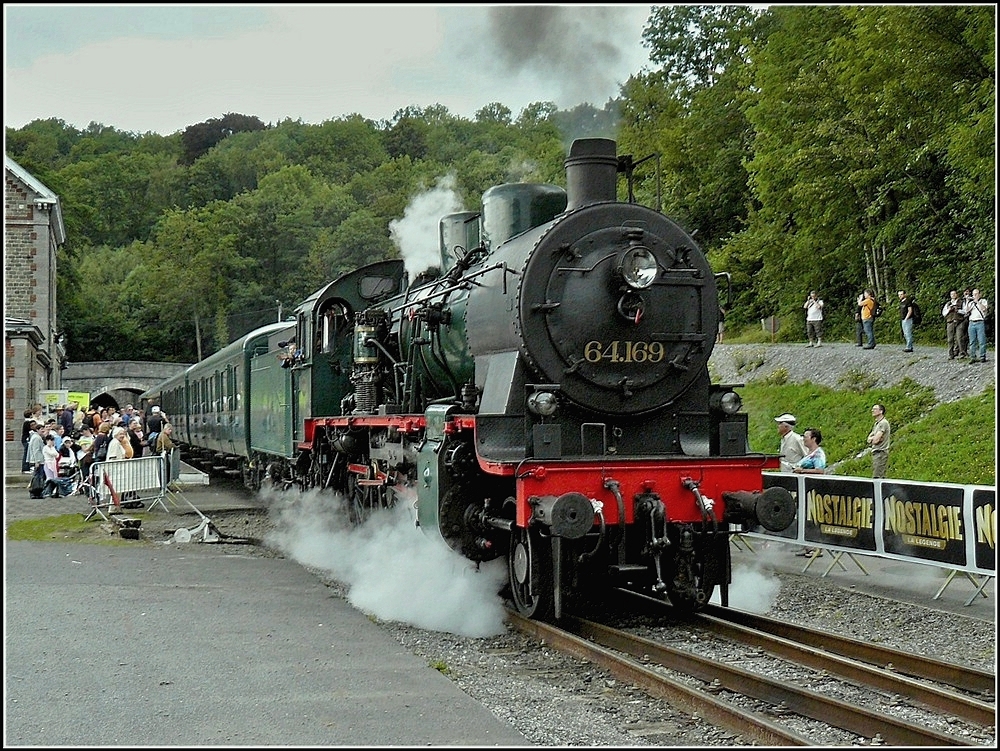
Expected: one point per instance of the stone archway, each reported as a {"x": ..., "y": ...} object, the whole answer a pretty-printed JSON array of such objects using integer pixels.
[
  {"x": 117, "y": 383},
  {"x": 116, "y": 398}
]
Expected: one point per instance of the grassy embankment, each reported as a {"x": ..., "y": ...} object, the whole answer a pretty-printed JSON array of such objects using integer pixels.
[{"x": 953, "y": 442}]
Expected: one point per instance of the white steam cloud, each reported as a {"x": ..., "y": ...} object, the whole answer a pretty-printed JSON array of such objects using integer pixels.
[
  {"x": 751, "y": 590},
  {"x": 417, "y": 234},
  {"x": 755, "y": 586},
  {"x": 394, "y": 570}
]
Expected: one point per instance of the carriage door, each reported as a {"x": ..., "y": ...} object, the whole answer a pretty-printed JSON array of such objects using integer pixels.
[{"x": 302, "y": 380}]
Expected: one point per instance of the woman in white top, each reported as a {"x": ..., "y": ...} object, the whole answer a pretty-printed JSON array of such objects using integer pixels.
[
  {"x": 119, "y": 446},
  {"x": 51, "y": 465}
]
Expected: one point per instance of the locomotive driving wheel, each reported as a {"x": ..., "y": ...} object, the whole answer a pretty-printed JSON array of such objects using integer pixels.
[
  {"x": 360, "y": 501},
  {"x": 529, "y": 567}
]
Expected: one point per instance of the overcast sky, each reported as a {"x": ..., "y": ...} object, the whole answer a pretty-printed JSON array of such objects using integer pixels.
[{"x": 163, "y": 68}]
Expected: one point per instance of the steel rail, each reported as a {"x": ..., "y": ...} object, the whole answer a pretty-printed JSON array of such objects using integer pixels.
[
  {"x": 980, "y": 712},
  {"x": 748, "y": 724},
  {"x": 917, "y": 666},
  {"x": 797, "y": 699}
]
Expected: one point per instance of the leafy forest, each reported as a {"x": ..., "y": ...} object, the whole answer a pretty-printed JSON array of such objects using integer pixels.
[{"x": 807, "y": 147}]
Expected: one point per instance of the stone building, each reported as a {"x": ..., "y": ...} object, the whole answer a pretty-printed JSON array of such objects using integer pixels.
[{"x": 33, "y": 351}]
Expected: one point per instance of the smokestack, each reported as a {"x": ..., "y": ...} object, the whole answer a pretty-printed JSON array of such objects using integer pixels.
[{"x": 591, "y": 172}]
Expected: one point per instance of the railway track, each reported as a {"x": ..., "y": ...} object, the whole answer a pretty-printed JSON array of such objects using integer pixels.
[
  {"x": 643, "y": 662},
  {"x": 871, "y": 664}
]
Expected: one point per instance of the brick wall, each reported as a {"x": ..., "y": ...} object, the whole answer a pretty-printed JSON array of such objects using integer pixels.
[
  {"x": 29, "y": 260},
  {"x": 31, "y": 361}
]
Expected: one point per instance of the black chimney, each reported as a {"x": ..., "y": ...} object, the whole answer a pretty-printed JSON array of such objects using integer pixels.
[{"x": 591, "y": 172}]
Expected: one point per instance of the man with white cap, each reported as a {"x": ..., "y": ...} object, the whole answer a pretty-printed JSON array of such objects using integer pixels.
[
  {"x": 793, "y": 447},
  {"x": 154, "y": 423}
]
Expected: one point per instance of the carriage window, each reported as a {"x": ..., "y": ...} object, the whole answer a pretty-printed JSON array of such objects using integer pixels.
[
  {"x": 332, "y": 324},
  {"x": 300, "y": 333},
  {"x": 372, "y": 287}
]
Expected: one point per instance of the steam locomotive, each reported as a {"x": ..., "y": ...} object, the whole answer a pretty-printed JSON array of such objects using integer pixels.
[{"x": 544, "y": 396}]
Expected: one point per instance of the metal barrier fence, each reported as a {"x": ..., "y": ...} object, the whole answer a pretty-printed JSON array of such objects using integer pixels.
[
  {"x": 143, "y": 479},
  {"x": 946, "y": 525}
]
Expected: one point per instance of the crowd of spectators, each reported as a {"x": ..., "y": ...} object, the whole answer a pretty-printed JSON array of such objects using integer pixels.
[{"x": 65, "y": 445}]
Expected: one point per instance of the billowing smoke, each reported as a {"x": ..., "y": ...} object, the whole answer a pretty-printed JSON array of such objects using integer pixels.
[
  {"x": 417, "y": 233},
  {"x": 392, "y": 569},
  {"x": 580, "y": 48},
  {"x": 751, "y": 590}
]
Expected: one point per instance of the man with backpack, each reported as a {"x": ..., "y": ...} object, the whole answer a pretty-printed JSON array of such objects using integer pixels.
[
  {"x": 154, "y": 424},
  {"x": 100, "y": 444},
  {"x": 89, "y": 420},
  {"x": 909, "y": 312}
]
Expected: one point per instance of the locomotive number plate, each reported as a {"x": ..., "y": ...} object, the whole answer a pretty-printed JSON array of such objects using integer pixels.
[{"x": 619, "y": 350}]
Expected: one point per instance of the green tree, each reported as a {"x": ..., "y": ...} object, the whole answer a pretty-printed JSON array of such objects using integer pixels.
[
  {"x": 107, "y": 198},
  {"x": 812, "y": 224},
  {"x": 850, "y": 162},
  {"x": 201, "y": 137},
  {"x": 935, "y": 194},
  {"x": 104, "y": 318},
  {"x": 690, "y": 113},
  {"x": 360, "y": 239},
  {"x": 224, "y": 171},
  {"x": 194, "y": 270},
  {"x": 41, "y": 146},
  {"x": 339, "y": 149},
  {"x": 275, "y": 225},
  {"x": 407, "y": 137},
  {"x": 696, "y": 44},
  {"x": 495, "y": 113}
]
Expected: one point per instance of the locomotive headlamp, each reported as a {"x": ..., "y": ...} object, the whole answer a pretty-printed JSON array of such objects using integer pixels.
[
  {"x": 543, "y": 403},
  {"x": 727, "y": 401},
  {"x": 638, "y": 267}
]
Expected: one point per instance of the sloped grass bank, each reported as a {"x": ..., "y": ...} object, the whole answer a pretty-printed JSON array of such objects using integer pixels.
[{"x": 931, "y": 442}]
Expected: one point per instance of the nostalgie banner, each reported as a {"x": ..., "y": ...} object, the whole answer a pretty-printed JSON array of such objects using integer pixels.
[{"x": 952, "y": 526}]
